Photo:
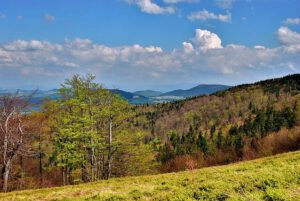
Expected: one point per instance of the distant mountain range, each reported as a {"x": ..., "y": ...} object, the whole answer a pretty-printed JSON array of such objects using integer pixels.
[
  {"x": 196, "y": 91},
  {"x": 138, "y": 97},
  {"x": 148, "y": 93},
  {"x": 150, "y": 96}
]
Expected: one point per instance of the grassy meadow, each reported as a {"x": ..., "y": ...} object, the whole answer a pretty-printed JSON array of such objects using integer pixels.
[{"x": 272, "y": 178}]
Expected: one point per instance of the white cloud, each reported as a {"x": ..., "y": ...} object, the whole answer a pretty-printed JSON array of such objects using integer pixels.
[
  {"x": 180, "y": 1},
  {"x": 148, "y": 6},
  {"x": 205, "y": 39},
  {"x": 259, "y": 47},
  {"x": 152, "y": 49},
  {"x": 79, "y": 43},
  {"x": 33, "y": 45},
  {"x": 292, "y": 21},
  {"x": 203, "y": 54},
  {"x": 288, "y": 37},
  {"x": 225, "y": 4},
  {"x": 5, "y": 57},
  {"x": 206, "y": 15},
  {"x": 187, "y": 47},
  {"x": 49, "y": 18}
]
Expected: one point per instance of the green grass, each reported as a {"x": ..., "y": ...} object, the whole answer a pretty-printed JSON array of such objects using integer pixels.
[{"x": 272, "y": 179}]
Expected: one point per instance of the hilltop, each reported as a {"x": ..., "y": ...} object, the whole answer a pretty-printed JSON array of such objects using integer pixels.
[{"x": 272, "y": 178}]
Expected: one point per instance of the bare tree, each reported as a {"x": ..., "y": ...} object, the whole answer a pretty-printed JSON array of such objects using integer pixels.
[{"x": 12, "y": 133}]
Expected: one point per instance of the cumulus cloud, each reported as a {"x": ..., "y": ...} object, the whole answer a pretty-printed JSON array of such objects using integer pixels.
[
  {"x": 5, "y": 57},
  {"x": 187, "y": 47},
  {"x": 288, "y": 37},
  {"x": 71, "y": 54},
  {"x": 206, "y": 15},
  {"x": 49, "y": 18},
  {"x": 259, "y": 47},
  {"x": 202, "y": 54},
  {"x": 292, "y": 21},
  {"x": 205, "y": 39},
  {"x": 150, "y": 7},
  {"x": 33, "y": 45}
]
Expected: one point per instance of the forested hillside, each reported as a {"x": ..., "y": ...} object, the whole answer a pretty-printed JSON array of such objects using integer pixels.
[
  {"x": 91, "y": 134},
  {"x": 244, "y": 122}
]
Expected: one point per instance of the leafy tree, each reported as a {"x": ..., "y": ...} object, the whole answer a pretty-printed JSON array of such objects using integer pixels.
[
  {"x": 297, "y": 112},
  {"x": 166, "y": 153},
  {"x": 116, "y": 112},
  {"x": 219, "y": 140},
  {"x": 132, "y": 156},
  {"x": 212, "y": 131},
  {"x": 83, "y": 122},
  {"x": 202, "y": 143}
]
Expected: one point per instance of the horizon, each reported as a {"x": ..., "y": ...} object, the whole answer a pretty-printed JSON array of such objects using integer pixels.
[
  {"x": 127, "y": 43},
  {"x": 157, "y": 90}
]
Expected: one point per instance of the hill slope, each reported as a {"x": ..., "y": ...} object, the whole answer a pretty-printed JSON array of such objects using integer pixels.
[
  {"x": 197, "y": 91},
  {"x": 241, "y": 123},
  {"x": 225, "y": 108},
  {"x": 148, "y": 93},
  {"x": 272, "y": 178},
  {"x": 131, "y": 97}
]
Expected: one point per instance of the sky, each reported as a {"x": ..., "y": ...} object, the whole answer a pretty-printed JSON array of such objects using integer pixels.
[{"x": 147, "y": 44}]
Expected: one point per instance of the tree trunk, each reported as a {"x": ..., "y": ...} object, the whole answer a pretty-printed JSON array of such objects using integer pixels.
[
  {"x": 109, "y": 150},
  {"x": 103, "y": 166},
  {"x": 69, "y": 176},
  {"x": 21, "y": 172},
  {"x": 40, "y": 161},
  {"x": 63, "y": 176},
  {"x": 93, "y": 164},
  {"x": 5, "y": 175},
  {"x": 84, "y": 173},
  {"x": 41, "y": 169},
  {"x": 93, "y": 157},
  {"x": 98, "y": 168}
]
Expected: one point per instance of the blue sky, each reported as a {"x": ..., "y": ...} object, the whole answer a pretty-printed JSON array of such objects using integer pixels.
[{"x": 147, "y": 44}]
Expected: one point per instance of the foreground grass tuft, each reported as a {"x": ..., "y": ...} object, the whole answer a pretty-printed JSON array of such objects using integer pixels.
[{"x": 272, "y": 179}]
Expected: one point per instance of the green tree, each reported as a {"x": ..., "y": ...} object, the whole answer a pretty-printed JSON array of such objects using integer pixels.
[
  {"x": 116, "y": 111},
  {"x": 83, "y": 120},
  {"x": 297, "y": 112},
  {"x": 219, "y": 141},
  {"x": 202, "y": 143}
]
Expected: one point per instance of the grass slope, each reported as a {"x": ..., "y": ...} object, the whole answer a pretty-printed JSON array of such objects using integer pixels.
[{"x": 272, "y": 178}]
